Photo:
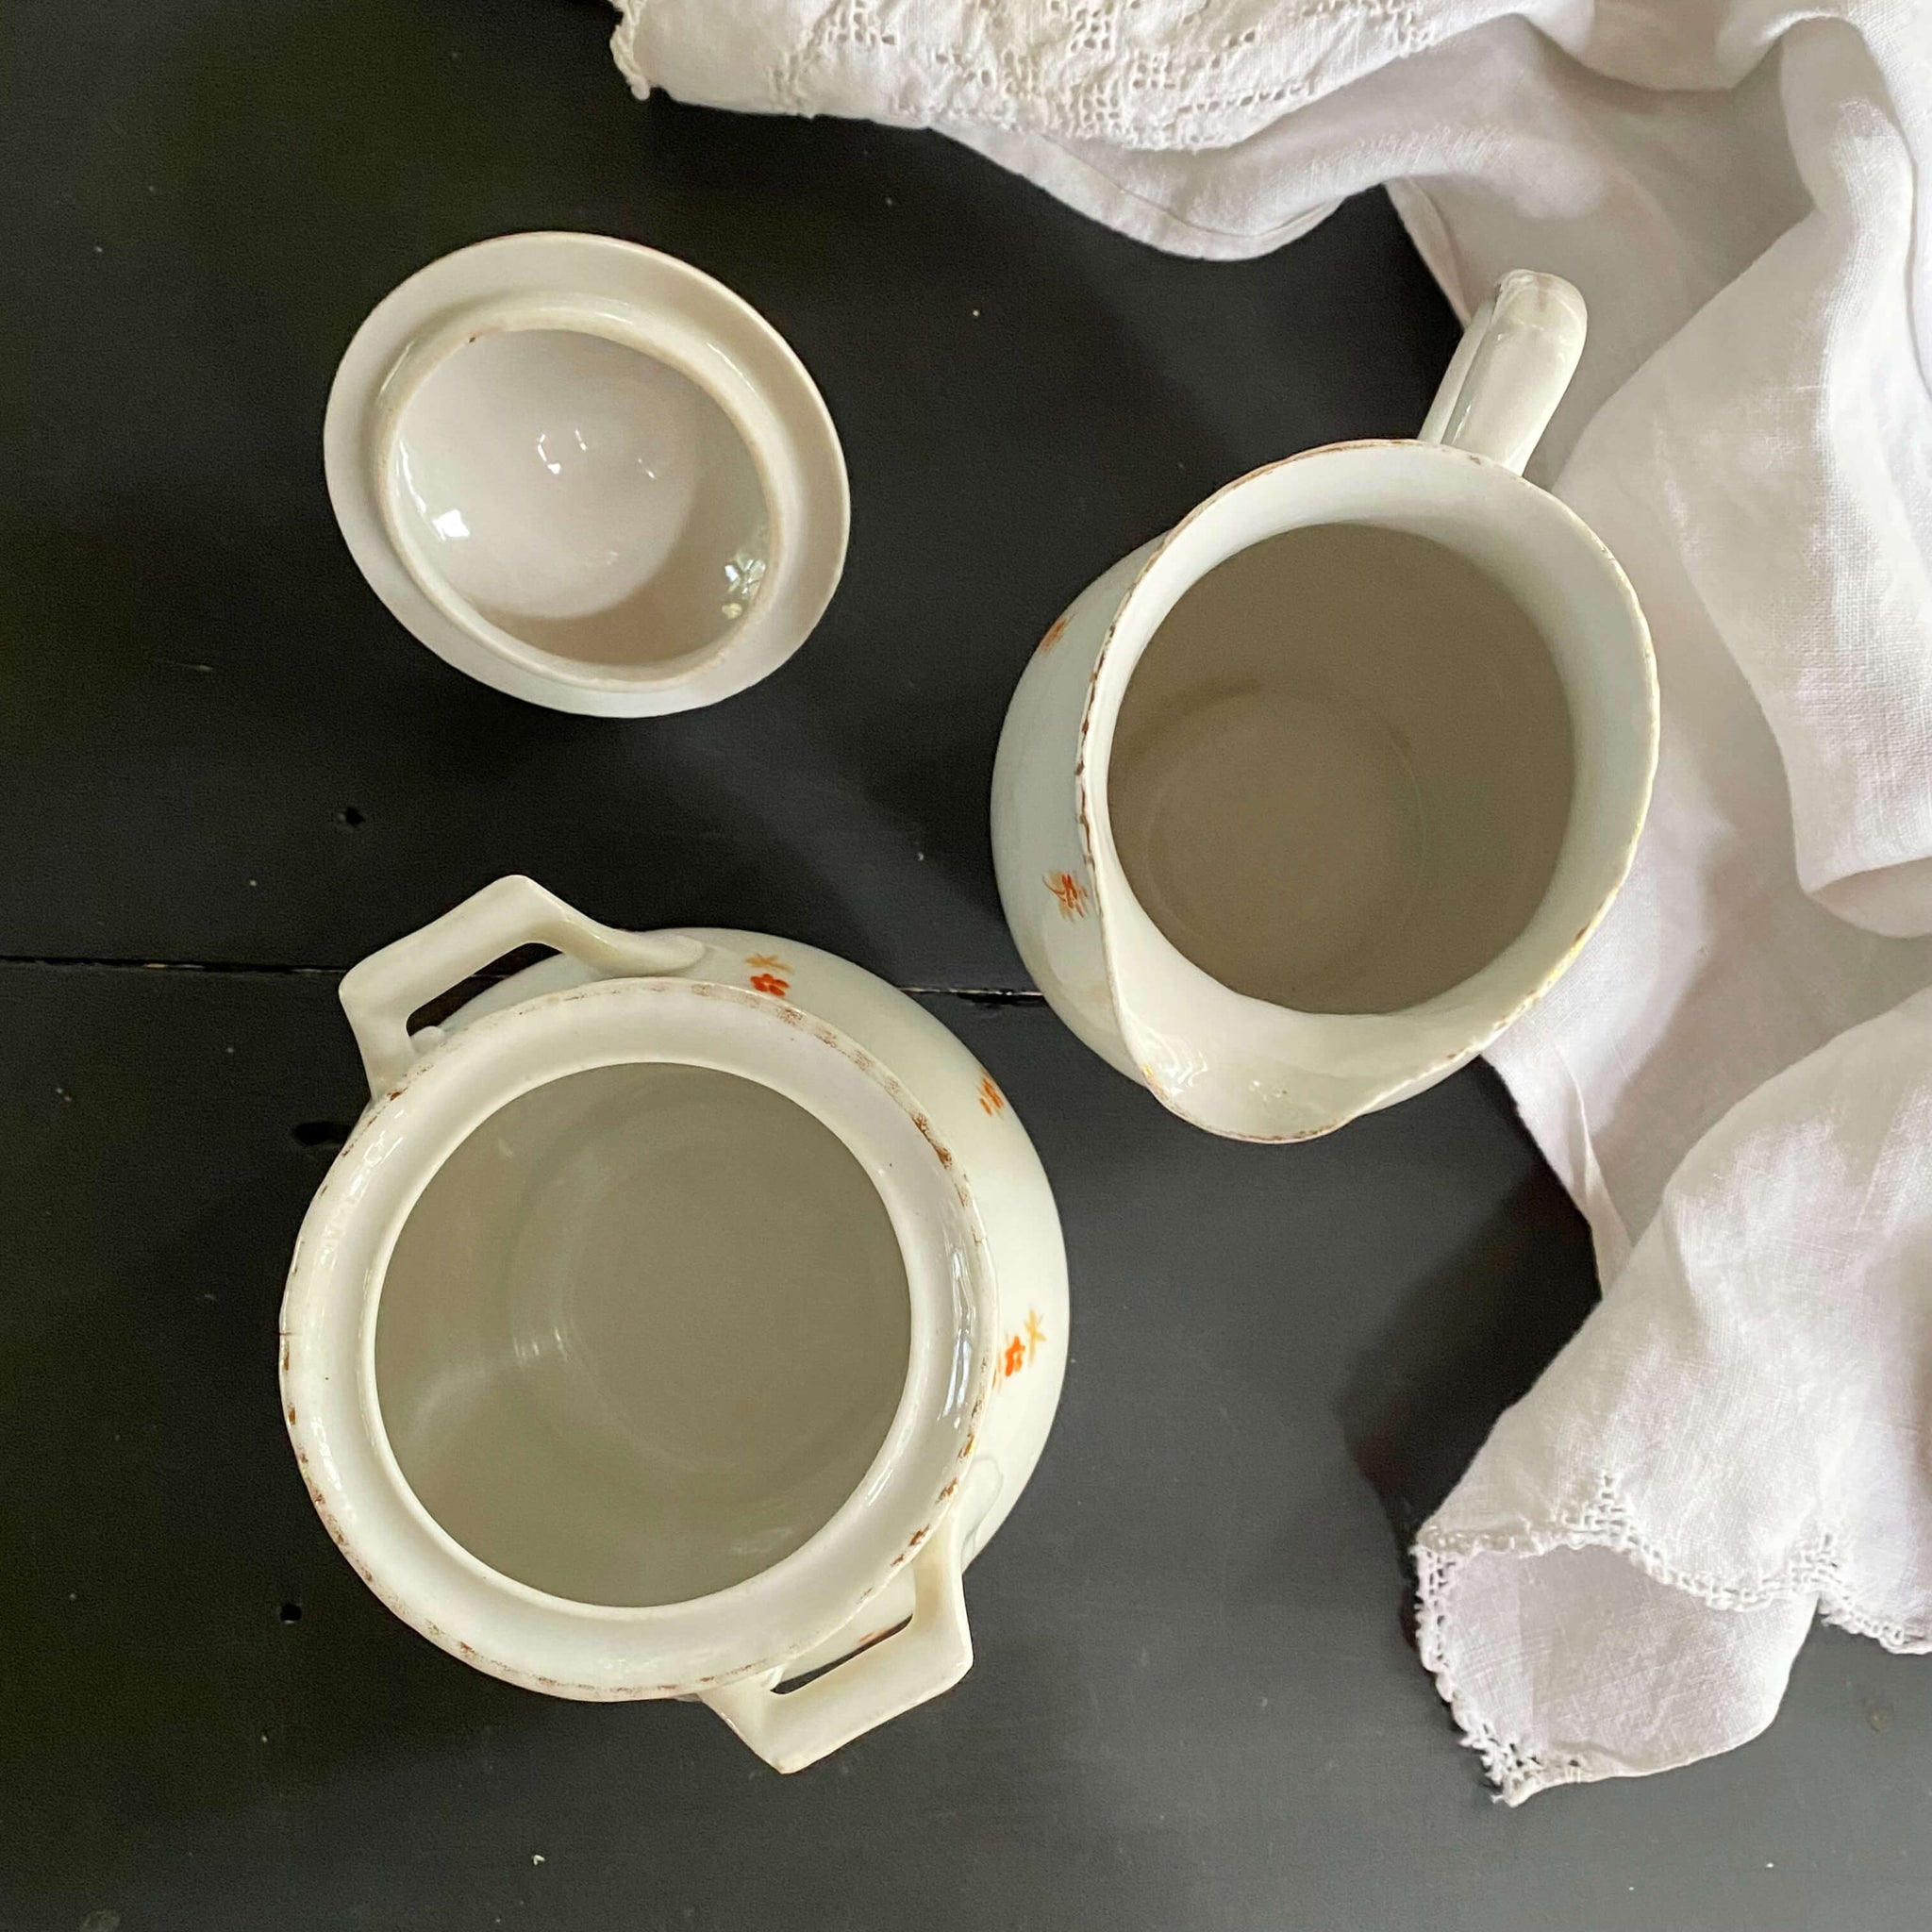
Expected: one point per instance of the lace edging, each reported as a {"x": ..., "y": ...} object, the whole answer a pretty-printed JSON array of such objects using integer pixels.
[
  {"x": 1194, "y": 98},
  {"x": 1517, "y": 1770}
]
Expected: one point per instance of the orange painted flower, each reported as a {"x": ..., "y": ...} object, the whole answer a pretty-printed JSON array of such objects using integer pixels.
[
  {"x": 1015, "y": 1356},
  {"x": 1071, "y": 893},
  {"x": 770, "y": 977},
  {"x": 990, "y": 1099},
  {"x": 1035, "y": 1335}
]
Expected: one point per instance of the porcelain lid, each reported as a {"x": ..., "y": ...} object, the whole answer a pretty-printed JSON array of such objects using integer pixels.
[{"x": 587, "y": 473}]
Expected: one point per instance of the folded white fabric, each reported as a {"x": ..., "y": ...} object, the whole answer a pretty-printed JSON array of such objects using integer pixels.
[
  {"x": 1740, "y": 1437},
  {"x": 1737, "y": 1440}
]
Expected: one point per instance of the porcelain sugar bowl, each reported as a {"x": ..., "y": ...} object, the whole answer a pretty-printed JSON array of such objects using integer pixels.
[{"x": 679, "y": 1320}]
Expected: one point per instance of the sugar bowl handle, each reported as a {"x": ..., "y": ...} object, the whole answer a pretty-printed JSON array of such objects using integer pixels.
[
  {"x": 381, "y": 994},
  {"x": 789, "y": 1729},
  {"x": 1510, "y": 369}
]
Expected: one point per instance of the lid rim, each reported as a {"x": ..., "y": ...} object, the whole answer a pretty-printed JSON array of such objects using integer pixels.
[{"x": 647, "y": 300}]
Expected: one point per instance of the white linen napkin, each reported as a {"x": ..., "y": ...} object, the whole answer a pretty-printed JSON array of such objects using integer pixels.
[{"x": 1735, "y": 1077}]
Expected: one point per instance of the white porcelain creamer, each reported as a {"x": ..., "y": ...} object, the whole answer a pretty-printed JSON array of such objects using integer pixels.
[
  {"x": 679, "y": 1320},
  {"x": 1259, "y": 1068}
]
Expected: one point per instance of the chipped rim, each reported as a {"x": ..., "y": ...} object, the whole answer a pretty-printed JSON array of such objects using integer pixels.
[{"x": 331, "y": 1403}]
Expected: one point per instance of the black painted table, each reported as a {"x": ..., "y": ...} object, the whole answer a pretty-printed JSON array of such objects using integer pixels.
[{"x": 228, "y": 774}]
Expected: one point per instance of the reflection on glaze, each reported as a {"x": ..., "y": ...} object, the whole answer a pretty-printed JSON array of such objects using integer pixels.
[
  {"x": 744, "y": 576},
  {"x": 584, "y": 497}
]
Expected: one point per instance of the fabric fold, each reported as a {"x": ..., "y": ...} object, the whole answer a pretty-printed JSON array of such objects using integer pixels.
[{"x": 1740, "y": 1438}]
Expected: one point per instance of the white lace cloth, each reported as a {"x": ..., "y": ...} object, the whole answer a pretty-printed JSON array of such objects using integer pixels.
[{"x": 1742, "y": 1435}]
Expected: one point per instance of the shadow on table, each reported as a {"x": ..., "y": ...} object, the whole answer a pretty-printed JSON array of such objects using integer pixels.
[{"x": 1467, "y": 1345}]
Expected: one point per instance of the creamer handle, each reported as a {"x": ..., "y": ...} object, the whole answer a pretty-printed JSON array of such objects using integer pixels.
[
  {"x": 381, "y": 994},
  {"x": 1510, "y": 369},
  {"x": 789, "y": 1729}
]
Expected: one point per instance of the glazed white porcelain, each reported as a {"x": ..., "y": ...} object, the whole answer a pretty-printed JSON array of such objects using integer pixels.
[
  {"x": 1241, "y": 1066},
  {"x": 588, "y": 474},
  {"x": 693, "y": 1479}
]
